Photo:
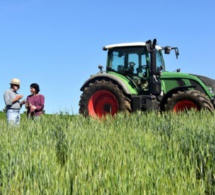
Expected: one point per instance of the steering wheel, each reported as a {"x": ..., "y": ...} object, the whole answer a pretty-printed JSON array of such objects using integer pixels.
[
  {"x": 131, "y": 65},
  {"x": 143, "y": 66}
]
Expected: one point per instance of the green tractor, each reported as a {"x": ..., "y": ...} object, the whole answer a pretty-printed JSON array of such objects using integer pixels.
[{"x": 136, "y": 80}]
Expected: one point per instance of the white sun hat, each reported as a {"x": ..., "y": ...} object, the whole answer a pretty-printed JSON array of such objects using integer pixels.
[{"x": 15, "y": 81}]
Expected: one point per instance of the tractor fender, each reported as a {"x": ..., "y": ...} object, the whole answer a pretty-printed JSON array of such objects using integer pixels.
[
  {"x": 101, "y": 76},
  {"x": 174, "y": 90}
]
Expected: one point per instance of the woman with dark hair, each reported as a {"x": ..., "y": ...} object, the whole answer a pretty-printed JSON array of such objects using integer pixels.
[{"x": 35, "y": 101}]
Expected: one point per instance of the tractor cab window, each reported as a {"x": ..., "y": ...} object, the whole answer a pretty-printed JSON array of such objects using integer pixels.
[
  {"x": 133, "y": 62},
  {"x": 159, "y": 61},
  {"x": 116, "y": 61},
  {"x": 128, "y": 60}
]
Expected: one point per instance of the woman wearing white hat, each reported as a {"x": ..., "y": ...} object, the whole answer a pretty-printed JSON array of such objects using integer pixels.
[{"x": 12, "y": 102}]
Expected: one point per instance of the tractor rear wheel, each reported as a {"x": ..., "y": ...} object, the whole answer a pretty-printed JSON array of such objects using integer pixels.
[
  {"x": 102, "y": 98},
  {"x": 187, "y": 100}
]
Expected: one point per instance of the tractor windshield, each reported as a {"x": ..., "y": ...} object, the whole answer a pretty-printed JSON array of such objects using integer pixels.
[{"x": 132, "y": 60}]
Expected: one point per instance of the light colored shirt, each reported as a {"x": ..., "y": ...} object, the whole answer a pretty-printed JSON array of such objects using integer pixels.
[{"x": 9, "y": 95}]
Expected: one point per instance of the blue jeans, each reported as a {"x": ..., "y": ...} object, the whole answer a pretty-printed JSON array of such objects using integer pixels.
[{"x": 13, "y": 116}]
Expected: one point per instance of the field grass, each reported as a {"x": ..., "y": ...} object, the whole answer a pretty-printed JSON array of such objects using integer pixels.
[{"x": 135, "y": 154}]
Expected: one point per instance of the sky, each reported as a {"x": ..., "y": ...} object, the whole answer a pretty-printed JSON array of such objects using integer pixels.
[{"x": 58, "y": 43}]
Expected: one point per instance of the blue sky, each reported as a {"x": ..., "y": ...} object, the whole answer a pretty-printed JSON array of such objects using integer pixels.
[{"x": 58, "y": 43}]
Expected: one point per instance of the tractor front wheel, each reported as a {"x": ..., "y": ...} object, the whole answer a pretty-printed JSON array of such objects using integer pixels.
[
  {"x": 187, "y": 100},
  {"x": 102, "y": 98}
]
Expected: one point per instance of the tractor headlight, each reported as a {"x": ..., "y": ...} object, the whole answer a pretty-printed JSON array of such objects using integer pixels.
[{"x": 211, "y": 90}]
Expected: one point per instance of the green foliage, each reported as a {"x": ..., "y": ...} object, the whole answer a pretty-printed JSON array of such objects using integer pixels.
[
  {"x": 2, "y": 115},
  {"x": 143, "y": 153}
]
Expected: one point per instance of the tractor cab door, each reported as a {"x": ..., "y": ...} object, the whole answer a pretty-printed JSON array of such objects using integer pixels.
[
  {"x": 156, "y": 66},
  {"x": 132, "y": 62},
  {"x": 139, "y": 62}
]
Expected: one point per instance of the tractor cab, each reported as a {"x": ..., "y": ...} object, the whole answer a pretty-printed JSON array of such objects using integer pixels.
[{"x": 133, "y": 60}]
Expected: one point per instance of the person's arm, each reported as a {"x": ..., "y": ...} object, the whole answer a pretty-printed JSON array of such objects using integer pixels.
[
  {"x": 27, "y": 104},
  {"x": 17, "y": 98},
  {"x": 41, "y": 103},
  {"x": 8, "y": 98}
]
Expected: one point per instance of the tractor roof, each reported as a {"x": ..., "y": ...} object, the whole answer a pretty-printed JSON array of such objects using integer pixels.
[{"x": 133, "y": 44}]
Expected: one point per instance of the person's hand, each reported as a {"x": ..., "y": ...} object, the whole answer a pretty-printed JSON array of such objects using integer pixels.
[
  {"x": 27, "y": 104},
  {"x": 17, "y": 98},
  {"x": 33, "y": 107},
  {"x": 22, "y": 102}
]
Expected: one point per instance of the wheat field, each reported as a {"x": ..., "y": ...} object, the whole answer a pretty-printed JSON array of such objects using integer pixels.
[{"x": 141, "y": 153}]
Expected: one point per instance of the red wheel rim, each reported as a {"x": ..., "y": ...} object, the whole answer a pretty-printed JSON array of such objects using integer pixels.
[
  {"x": 102, "y": 103},
  {"x": 184, "y": 105}
]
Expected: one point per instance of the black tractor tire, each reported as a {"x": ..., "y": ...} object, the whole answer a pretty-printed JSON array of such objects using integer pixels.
[
  {"x": 101, "y": 98},
  {"x": 187, "y": 100}
]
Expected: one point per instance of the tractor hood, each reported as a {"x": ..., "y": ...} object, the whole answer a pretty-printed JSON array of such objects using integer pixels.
[
  {"x": 175, "y": 75},
  {"x": 207, "y": 83}
]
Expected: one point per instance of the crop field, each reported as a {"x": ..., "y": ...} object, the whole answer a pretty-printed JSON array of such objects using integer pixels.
[{"x": 130, "y": 154}]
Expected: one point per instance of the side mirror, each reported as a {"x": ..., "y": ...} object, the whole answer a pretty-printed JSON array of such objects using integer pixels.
[
  {"x": 167, "y": 49},
  {"x": 176, "y": 52}
]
